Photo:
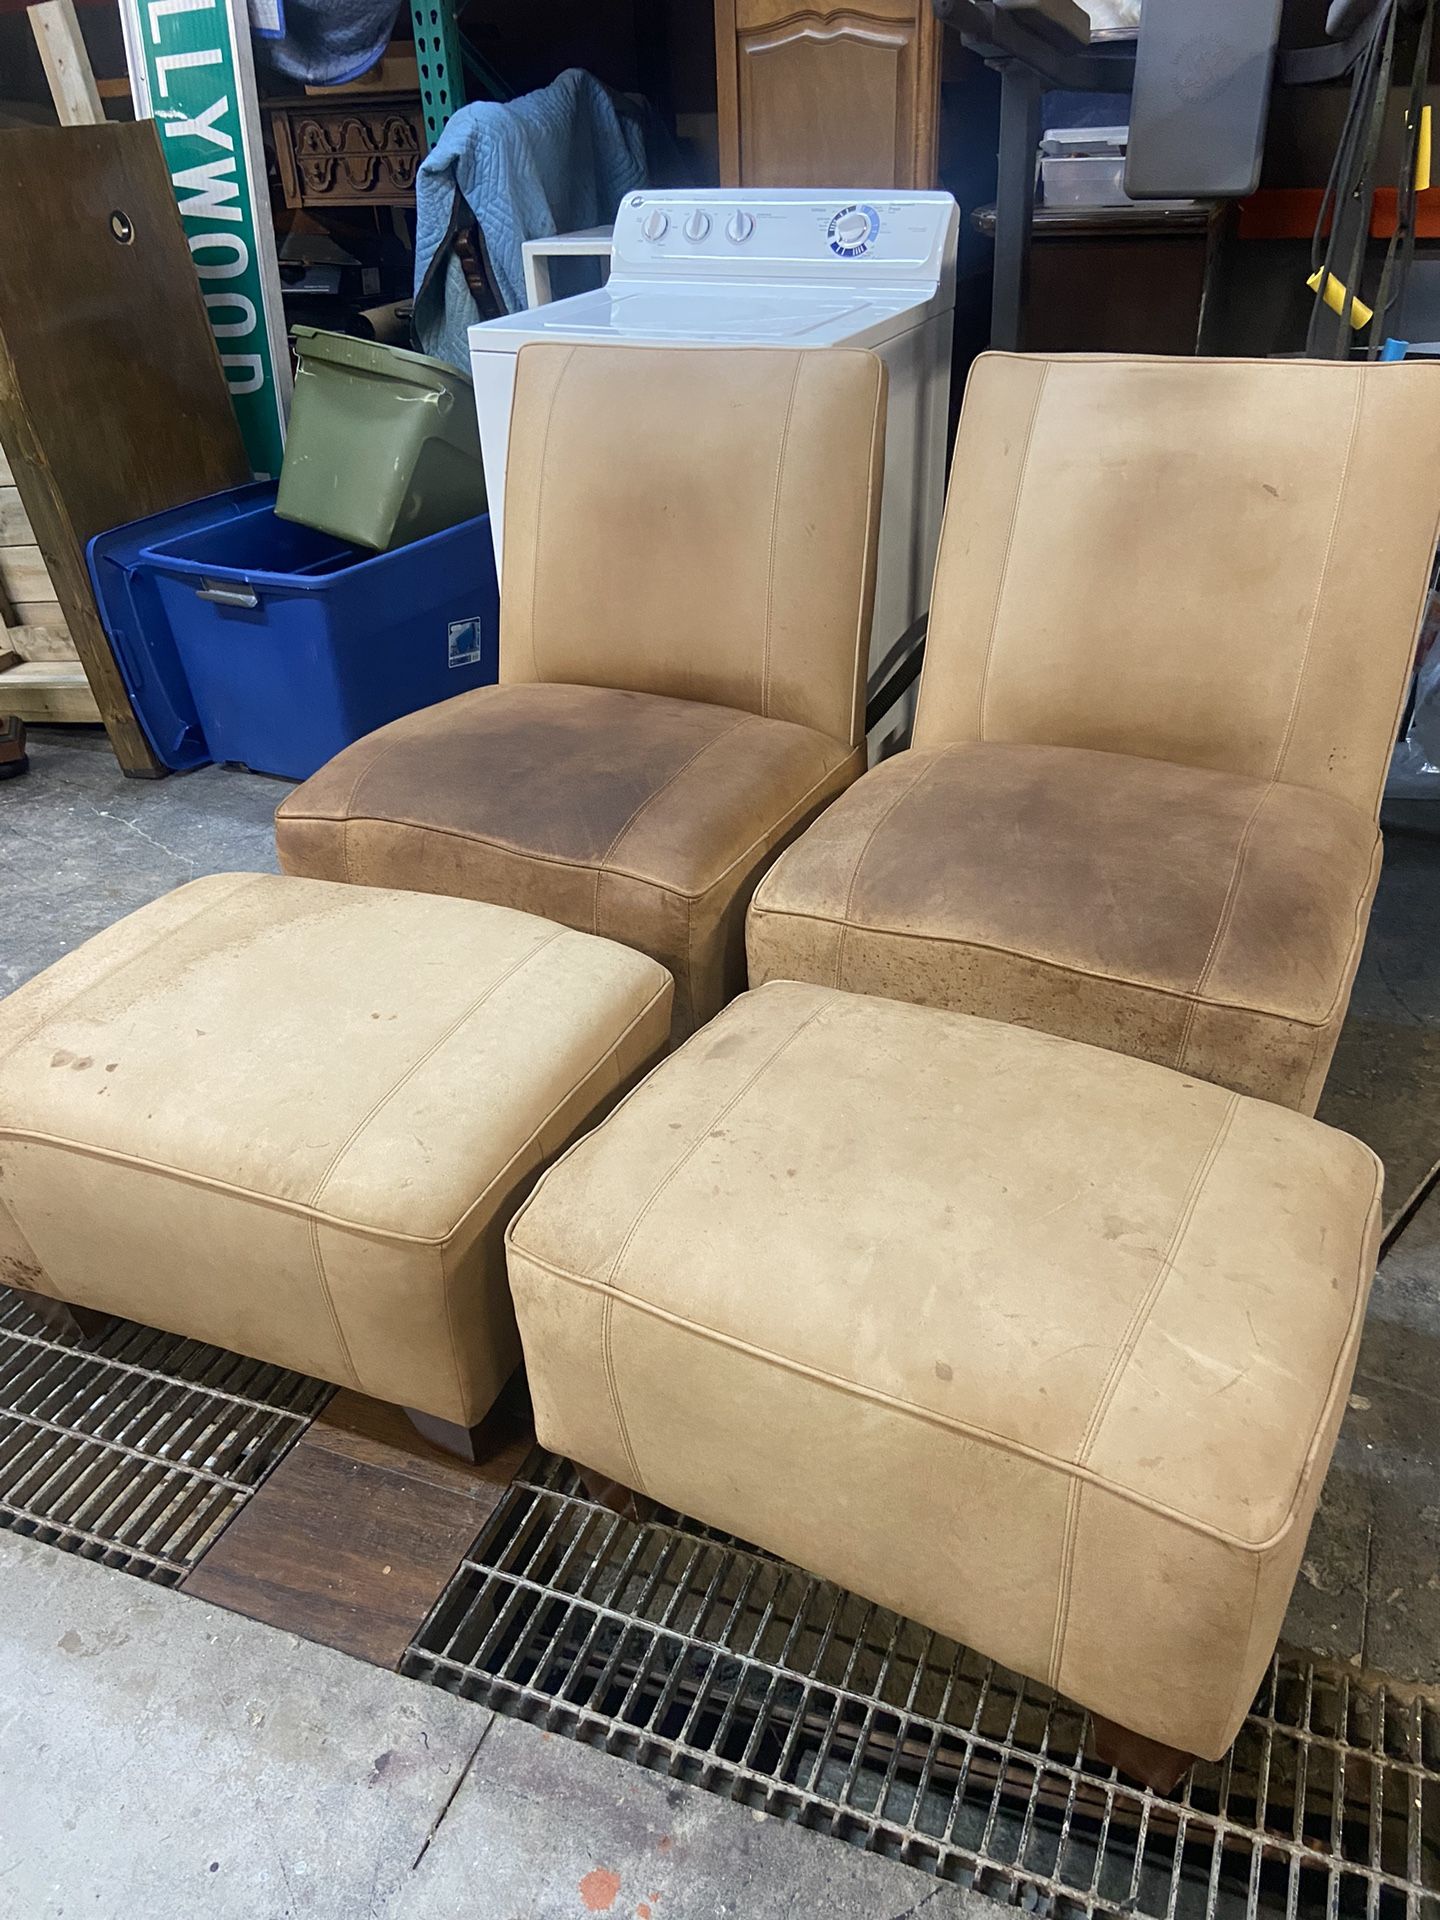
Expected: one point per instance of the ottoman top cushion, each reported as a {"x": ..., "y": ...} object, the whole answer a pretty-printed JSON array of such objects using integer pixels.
[
  {"x": 374, "y": 1057},
  {"x": 1134, "y": 1277}
]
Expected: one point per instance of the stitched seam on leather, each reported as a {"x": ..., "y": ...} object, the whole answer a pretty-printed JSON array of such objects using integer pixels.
[
  {"x": 904, "y": 794},
  {"x": 560, "y": 380},
  {"x": 1321, "y": 583},
  {"x": 318, "y": 1258},
  {"x": 577, "y": 866},
  {"x": 1119, "y": 1365},
  {"x": 1003, "y": 581},
  {"x": 1054, "y": 966},
  {"x": 247, "y": 883},
  {"x": 764, "y": 1067},
  {"x": 1145, "y": 1306},
  {"x": 862, "y": 625},
  {"x": 756, "y": 846},
  {"x": 689, "y": 1009},
  {"x": 443, "y": 1251},
  {"x": 1222, "y": 925},
  {"x": 1063, "y": 1584},
  {"x": 388, "y": 1236},
  {"x": 1237, "y": 1704},
  {"x": 771, "y": 834},
  {"x": 295, "y": 816},
  {"x": 774, "y": 536},
  {"x": 746, "y": 720},
  {"x": 984, "y": 1436},
  {"x": 607, "y": 1350},
  {"x": 516, "y": 966},
  {"x": 612, "y": 1053}
]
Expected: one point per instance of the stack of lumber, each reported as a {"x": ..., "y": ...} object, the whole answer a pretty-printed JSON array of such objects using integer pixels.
[{"x": 41, "y": 678}]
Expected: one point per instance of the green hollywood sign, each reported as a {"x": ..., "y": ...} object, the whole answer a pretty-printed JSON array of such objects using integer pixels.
[{"x": 192, "y": 72}]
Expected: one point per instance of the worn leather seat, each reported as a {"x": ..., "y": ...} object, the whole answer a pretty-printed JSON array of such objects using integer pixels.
[
  {"x": 1043, "y": 1347},
  {"x": 1171, "y": 632},
  {"x": 689, "y": 575},
  {"x": 293, "y": 1119}
]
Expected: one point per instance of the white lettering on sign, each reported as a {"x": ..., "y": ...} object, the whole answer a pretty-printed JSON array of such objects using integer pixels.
[
  {"x": 232, "y": 269},
  {"x": 213, "y": 185},
  {"x": 158, "y": 9},
  {"x": 250, "y": 369},
  {"x": 218, "y": 303},
  {"x": 178, "y": 125},
  {"x": 169, "y": 63},
  {"x": 210, "y": 177}
]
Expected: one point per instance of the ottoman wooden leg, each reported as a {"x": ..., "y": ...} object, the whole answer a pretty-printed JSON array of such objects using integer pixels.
[
  {"x": 463, "y": 1442},
  {"x": 1151, "y": 1762},
  {"x": 82, "y": 1324}
]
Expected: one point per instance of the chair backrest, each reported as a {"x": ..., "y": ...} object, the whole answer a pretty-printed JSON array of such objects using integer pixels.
[
  {"x": 1216, "y": 562},
  {"x": 696, "y": 521}
]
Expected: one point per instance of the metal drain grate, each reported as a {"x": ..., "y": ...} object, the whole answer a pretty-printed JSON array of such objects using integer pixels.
[
  {"x": 138, "y": 1451},
  {"x": 675, "y": 1647}
]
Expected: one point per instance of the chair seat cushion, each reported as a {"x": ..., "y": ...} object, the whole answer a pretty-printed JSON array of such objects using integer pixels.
[
  {"x": 293, "y": 1118},
  {"x": 1198, "y": 919},
  {"x": 1040, "y": 1345},
  {"x": 624, "y": 814}
]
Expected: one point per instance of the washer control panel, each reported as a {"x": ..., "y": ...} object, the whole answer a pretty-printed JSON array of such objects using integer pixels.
[{"x": 887, "y": 238}]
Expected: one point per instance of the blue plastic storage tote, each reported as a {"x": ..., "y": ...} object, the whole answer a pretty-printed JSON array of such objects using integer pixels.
[
  {"x": 293, "y": 644},
  {"x": 140, "y": 636}
]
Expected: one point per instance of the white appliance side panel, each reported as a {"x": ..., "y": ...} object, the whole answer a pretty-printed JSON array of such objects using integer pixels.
[
  {"x": 494, "y": 377},
  {"x": 911, "y": 506}
]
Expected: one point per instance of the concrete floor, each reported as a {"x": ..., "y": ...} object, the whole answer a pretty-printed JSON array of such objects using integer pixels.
[
  {"x": 80, "y": 845},
  {"x": 159, "y": 1757},
  {"x": 318, "y": 1786}
]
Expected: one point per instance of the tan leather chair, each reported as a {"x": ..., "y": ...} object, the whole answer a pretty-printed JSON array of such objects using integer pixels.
[
  {"x": 689, "y": 576},
  {"x": 1170, "y": 637}
]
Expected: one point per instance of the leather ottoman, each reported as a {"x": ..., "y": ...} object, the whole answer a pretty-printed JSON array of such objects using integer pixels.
[
  {"x": 1040, "y": 1345},
  {"x": 293, "y": 1118}
]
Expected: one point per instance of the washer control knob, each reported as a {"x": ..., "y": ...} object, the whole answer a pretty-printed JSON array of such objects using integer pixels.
[
  {"x": 654, "y": 224},
  {"x": 851, "y": 229},
  {"x": 739, "y": 226},
  {"x": 697, "y": 226}
]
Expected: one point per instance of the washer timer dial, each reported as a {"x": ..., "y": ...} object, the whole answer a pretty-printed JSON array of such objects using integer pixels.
[{"x": 740, "y": 226}]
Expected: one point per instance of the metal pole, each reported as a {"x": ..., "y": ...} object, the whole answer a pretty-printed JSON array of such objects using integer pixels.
[{"x": 1020, "y": 91}]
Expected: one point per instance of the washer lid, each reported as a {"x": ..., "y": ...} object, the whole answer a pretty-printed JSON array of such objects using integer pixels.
[{"x": 717, "y": 315}]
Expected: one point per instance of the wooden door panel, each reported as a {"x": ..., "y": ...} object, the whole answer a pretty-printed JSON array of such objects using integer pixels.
[{"x": 824, "y": 102}]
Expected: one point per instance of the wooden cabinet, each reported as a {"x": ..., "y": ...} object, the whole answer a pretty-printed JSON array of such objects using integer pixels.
[{"x": 828, "y": 97}]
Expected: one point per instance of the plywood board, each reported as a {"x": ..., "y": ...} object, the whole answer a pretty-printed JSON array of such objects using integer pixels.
[
  {"x": 14, "y": 521},
  {"x": 45, "y": 691},
  {"x": 113, "y": 406},
  {"x": 24, "y": 575},
  {"x": 40, "y": 635}
]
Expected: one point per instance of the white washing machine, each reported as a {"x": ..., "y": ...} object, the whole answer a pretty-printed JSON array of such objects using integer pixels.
[{"x": 785, "y": 267}]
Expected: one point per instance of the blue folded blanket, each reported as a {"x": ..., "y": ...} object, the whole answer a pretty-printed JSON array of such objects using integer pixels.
[{"x": 546, "y": 163}]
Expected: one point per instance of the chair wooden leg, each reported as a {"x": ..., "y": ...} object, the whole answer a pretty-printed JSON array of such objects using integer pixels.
[
  {"x": 463, "y": 1442},
  {"x": 81, "y": 1324},
  {"x": 614, "y": 1495},
  {"x": 1151, "y": 1762}
]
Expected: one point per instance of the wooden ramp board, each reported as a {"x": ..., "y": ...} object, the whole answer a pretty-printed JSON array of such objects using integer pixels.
[
  {"x": 356, "y": 1534},
  {"x": 112, "y": 405}
]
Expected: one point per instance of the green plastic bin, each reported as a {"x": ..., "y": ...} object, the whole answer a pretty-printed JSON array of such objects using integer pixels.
[{"x": 383, "y": 445}]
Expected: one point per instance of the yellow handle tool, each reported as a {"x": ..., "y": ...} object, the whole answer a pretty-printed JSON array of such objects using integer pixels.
[
  {"x": 1422, "y": 153},
  {"x": 1334, "y": 298}
]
